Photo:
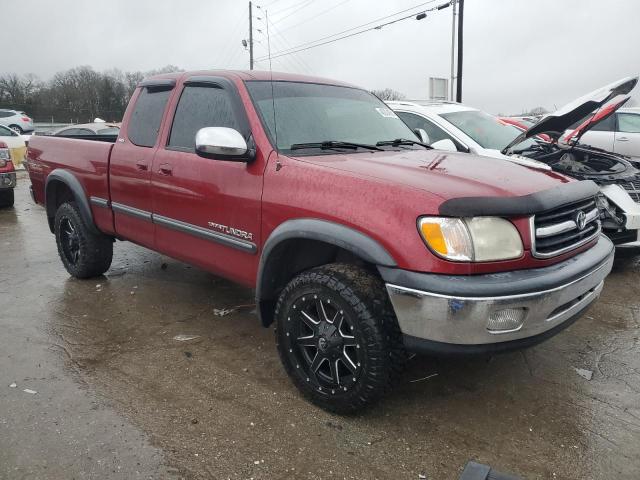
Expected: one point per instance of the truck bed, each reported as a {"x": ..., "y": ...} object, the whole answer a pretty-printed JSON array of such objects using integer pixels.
[{"x": 87, "y": 159}]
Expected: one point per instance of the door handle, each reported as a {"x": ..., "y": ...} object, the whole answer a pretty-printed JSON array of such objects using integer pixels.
[
  {"x": 142, "y": 165},
  {"x": 165, "y": 169},
  {"x": 622, "y": 139}
]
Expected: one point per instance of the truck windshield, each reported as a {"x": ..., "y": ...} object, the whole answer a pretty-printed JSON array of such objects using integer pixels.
[
  {"x": 486, "y": 130},
  {"x": 311, "y": 113}
]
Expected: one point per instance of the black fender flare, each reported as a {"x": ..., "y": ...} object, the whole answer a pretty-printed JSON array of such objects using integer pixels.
[
  {"x": 69, "y": 179},
  {"x": 354, "y": 241}
]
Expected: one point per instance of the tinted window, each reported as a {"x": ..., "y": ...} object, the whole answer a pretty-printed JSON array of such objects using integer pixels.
[
  {"x": 200, "y": 107},
  {"x": 6, "y": 114},
  {"x": 628, "y": 123},
  {"x": 109, "y": 131},
  {"x": 606, "y": 125},
  {"x": 435, "y": 132},
  {"x": 146, "y": 118},
  {"x": 74, "y": 131},
  {"x": 7, "y": 132},
  {"x": 68, "y": 131}
]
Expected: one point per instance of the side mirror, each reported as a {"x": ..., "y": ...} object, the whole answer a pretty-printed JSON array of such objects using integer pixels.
[
  {"x": 422, "y": 134},
  {"x": 223, "y": 143},
  {"x": 445, "y": 144}
]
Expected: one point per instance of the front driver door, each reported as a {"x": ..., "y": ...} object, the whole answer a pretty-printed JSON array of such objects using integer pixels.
[{"x": 207, "y": 211}]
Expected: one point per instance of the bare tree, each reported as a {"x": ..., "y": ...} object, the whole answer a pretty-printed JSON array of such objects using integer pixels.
[
  {"x": 389, "y": 94},
  {"x": 76, "y": 95}
]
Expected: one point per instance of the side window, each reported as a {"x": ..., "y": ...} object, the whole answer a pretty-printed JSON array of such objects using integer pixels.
[
  {"x": 606, "y": 125},
  {"x": 68, "y": 131},
  {"x": 6, "y": 114},
  {"x": 6, "y": 132},
  {"x": 629, "y": 123},
  {"x": 435, "y": 133},
  {"x": 146, "y": 118},
  {"x": 199, "y": 107}
]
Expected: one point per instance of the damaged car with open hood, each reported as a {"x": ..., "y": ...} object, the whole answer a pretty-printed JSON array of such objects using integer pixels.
[
  {"x": 456, "y": 127},
  {"x": 618, "y": 176}
]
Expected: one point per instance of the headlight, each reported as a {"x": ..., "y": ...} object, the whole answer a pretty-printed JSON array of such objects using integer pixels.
[{"x": 477, "y": 239}]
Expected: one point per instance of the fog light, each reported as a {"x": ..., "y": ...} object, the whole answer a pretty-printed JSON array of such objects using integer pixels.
[{"x": 507, "y": 320}]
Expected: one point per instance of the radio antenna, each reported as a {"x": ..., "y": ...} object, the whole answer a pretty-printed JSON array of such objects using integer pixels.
[{"x": 273, "y": 98}]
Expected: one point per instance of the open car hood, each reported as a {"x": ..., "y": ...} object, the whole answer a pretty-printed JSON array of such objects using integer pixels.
[
  {"x": 603, "y": 113},
  {"x": 555, "y": 124}
]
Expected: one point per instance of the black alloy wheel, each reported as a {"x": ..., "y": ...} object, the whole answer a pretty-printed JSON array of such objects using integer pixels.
[{"x": 338, "y": 337}]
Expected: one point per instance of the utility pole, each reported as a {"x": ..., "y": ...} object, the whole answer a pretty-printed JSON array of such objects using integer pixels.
[
  {"x": 250, "y": 36},
  {"x": 460, "y": 32},
  {"x": 453, "y": 48}
]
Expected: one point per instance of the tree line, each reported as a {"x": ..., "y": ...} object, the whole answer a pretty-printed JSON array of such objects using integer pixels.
[{"x": 77, "y": 95}]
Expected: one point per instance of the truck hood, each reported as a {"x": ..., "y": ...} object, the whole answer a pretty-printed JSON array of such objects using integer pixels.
[
  {"x": 555, "y": 124},
  {"x": 445, "y": 174}
]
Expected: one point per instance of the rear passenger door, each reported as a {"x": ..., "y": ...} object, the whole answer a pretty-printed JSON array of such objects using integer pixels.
[
  {"x": 627, "y": 138},
  {"x": 132, "y": 160},
  {"x": 207, "y": 211}
]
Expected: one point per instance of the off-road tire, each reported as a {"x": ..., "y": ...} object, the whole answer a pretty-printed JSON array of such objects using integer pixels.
[
  {"x": 94, "y": 250},
  {"x": 6, "y": 198},
  {"x": 362, "y": 297}
]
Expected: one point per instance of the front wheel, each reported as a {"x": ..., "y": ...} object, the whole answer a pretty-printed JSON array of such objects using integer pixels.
[
  {"x": 337, "y": 337},
  {"x": 84, "y": 253}
]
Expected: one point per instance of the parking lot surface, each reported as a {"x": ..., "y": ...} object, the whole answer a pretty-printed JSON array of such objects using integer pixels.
[{"x": 143, "y": 373}]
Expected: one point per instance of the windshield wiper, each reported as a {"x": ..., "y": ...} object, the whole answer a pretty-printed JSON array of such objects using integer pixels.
[
  {"x": 331, "y": 144},
  {"x": 402, "y": 141}
]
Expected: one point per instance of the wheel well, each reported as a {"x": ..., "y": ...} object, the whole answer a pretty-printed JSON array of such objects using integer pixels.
[
  {"x": 57, "y": 193},
  {"x": 291, "y": 257}
]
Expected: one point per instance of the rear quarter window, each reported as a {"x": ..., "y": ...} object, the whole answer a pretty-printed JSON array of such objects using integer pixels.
[{"x": 146, "y": 118}]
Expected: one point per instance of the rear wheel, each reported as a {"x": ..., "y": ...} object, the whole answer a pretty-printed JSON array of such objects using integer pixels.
[
  {"x": 17, "y": 129},
  {"x": 6, "y": 198},
  {"x": 84, "y": 253},
  {"x": 337, "y": 337}
]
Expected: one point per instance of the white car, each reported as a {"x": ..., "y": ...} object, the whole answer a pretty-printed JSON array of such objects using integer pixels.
[
  {"x": 455, "y": 127},
  {"x": 619, "y": 133},
  {"x": 16, "y": 144},
  {"x": 16, "y": 120}
]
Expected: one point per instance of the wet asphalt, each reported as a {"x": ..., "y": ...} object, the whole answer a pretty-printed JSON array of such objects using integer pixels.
[{"x": 119, "y": 397}]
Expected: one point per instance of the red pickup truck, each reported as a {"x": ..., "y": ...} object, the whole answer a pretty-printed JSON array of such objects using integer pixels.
[{"x": 362, "y": 243}]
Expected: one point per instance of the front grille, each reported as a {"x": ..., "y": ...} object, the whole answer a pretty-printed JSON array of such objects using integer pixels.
[
  {"x": 556, "y": 231},
  {"x": 633, "y": 188}
]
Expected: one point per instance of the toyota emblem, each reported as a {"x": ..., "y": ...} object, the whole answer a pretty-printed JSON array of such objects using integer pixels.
[{"x": 581, "y": 220}]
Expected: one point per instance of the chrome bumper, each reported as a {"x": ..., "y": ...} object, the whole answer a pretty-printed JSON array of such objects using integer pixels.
[
  {"x": 7, "y": 180},
  {"x": 464, "y": 320}
]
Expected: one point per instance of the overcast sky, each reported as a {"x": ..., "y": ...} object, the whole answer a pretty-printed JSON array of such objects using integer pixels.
[{"x": 518, "y": 54}]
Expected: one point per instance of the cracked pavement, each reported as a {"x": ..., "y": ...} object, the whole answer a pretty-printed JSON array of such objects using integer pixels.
[{"x": 119, "y": 397}]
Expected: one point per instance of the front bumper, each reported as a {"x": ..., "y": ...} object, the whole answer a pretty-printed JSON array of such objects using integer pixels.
[
  {"x": 451, "y": 314},
  {"x": 7, "y": 180}
]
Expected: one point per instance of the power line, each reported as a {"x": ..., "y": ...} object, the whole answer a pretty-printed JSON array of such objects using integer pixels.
[
  {"x": 366, "y": 24},
  {"x": 304, "y": 5},
  {"x": 302, "y": 47},
  {"x": 315, "y": 16},
  {"x": 293, "y": 5}
]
